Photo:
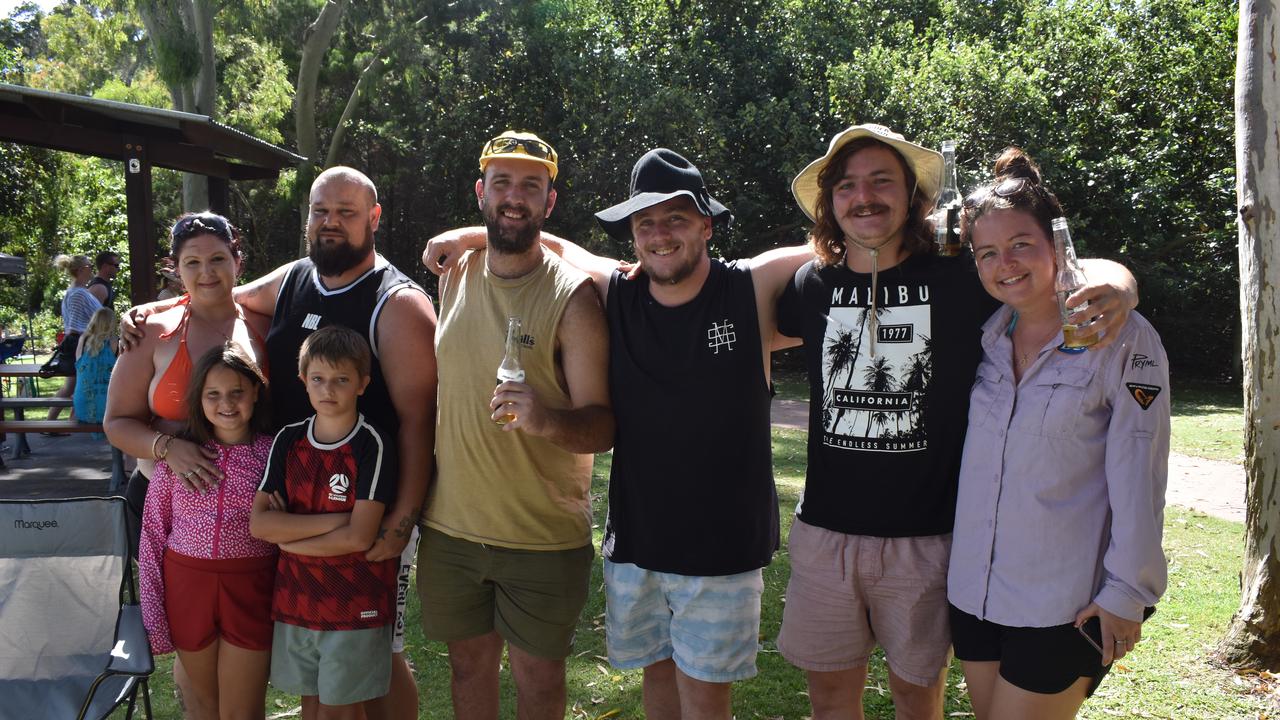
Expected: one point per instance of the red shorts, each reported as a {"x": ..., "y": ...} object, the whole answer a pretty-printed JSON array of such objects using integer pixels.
[{"x": 208, "y": 599}]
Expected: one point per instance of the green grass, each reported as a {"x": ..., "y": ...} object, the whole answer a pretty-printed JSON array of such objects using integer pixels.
[
  {"x": 1170, "y": 675},
  {"x": 1208, "y": 421}
]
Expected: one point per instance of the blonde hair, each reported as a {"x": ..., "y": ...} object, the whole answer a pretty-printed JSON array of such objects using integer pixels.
[
  {"x": 72, "y": 264},
  {"x": 99, "y": 331}
]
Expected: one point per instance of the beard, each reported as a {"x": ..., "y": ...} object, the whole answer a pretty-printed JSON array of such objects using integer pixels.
[
  {"x": 334, "y": 257},
  {"x": 674, "y": 275},
  {"x": 512, "y": 241}
]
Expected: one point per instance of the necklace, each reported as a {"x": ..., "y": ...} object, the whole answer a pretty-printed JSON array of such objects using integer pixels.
[
  {"x": 1025, "y": 358},
  {"x": 209, "y": 324}
]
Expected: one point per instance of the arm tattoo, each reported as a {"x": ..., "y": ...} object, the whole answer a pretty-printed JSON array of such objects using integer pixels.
[{"x": 405, "y": 528}]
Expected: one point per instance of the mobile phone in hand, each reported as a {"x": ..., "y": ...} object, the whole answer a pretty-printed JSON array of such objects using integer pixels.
[{"x": 1092, "y": 628}]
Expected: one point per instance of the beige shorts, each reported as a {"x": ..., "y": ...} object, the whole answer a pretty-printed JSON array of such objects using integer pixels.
[{"x": 848, "y": 593}]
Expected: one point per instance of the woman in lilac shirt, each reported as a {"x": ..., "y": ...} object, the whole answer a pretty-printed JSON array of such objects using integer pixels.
[{"x": 1061, "y": 500}]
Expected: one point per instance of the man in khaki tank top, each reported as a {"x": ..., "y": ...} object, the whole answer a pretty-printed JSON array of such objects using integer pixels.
[{"x": 506, "y": 553}]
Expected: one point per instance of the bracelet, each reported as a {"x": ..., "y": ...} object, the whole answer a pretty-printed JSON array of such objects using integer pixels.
[
  {"x": 164, "y": 451},
  {"x": 155, "y": 441}
]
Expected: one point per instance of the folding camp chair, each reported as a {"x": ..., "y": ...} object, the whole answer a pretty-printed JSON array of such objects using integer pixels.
[{"x": 72, "y": 644}]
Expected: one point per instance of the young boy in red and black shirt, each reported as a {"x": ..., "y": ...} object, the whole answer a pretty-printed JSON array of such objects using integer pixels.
[{"x": 328, "y": 481}]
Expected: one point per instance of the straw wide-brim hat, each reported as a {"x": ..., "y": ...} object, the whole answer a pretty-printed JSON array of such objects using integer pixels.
[{"x": 925, "y": 163}]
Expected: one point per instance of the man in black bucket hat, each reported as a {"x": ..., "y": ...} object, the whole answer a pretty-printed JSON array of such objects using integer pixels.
[{"x": 693, "y": 515}]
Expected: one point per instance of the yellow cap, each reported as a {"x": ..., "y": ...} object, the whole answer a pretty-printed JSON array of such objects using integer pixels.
[{"x": 520, "y": 146}]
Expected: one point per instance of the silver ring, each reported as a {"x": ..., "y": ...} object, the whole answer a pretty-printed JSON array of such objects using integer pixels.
[{"x": 187, "y": 476}]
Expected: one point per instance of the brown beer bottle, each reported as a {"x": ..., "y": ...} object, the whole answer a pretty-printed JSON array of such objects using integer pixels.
[
  {"x": 946, "y": 213},
  {"x": 510, "y": 370}
]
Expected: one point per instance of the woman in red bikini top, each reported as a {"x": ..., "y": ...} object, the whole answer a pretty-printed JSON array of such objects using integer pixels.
[{"x": 145, "y": 404}]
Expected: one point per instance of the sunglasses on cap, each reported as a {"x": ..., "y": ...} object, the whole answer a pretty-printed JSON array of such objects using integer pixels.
[
  {"x": 202, "y": 223},
  {"x": 507, "y": 145}
]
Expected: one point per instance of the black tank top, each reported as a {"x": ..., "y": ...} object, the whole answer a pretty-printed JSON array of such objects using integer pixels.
[
  {"x": 305, "y": 305},
  {"x": 691, "y": 489},
  {"x": 111, "y": 290}
]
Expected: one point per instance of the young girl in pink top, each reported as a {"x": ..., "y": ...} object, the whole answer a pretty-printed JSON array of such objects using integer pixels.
[{"x": 206, "y": 583}]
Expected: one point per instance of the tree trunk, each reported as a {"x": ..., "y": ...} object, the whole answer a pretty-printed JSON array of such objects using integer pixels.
[
  {"x": 198, "y": 16},
  {"x": 1253, "y": 639},
  {"x": 315, "y": 43}
]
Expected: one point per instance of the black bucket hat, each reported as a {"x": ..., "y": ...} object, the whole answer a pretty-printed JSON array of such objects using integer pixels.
[{"x": 658, "y": 176}]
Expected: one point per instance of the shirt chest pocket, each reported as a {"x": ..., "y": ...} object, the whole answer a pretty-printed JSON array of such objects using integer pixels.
[
  {"x": 988, "y": 401},
  {"x": 1050, "y": 403}
]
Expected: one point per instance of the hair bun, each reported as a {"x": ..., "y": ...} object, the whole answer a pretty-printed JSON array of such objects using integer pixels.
[{"x": 1014, "y": 163}]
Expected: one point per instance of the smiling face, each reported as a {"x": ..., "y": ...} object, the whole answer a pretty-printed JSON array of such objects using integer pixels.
[
  {"x": 871, "y": 199},
  {"x": 334, "y": 388},
  {"x": 228, "y": 399},
  {"x": 340, "y": 226},
  {"x": 671, "y": 239},
  {"x": 207, "y": 268},
  {"x": 1015, "y": 259},
  {"x": 515, "y": 197}
]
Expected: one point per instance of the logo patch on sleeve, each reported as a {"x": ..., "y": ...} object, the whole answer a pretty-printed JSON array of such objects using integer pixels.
[{"x": 1143, "y": 394}]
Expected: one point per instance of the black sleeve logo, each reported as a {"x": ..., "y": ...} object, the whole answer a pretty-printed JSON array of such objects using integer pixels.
[{"x": 1143, "y": 394}]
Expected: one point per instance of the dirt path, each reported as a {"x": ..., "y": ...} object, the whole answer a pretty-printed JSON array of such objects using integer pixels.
[{"x": 1210, "y": 486}]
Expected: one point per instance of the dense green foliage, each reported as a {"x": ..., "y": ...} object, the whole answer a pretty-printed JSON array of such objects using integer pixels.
[{"x": 1126, "y": 103}]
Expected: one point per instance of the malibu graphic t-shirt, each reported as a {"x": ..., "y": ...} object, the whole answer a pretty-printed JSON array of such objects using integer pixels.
[{"x": 889, "y": 391}]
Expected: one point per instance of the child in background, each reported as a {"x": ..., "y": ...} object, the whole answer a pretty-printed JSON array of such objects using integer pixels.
[
  {"x": 95, "y": 356},
  {"x": 205, "y": 581},
  {"x": 334, "y": 610}
]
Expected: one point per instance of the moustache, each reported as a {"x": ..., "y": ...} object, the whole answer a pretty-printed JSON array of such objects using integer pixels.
[{"x": 872, "y": 208}]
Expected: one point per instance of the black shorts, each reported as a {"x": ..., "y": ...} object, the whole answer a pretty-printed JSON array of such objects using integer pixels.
[{"x": 1040, "y": 660}]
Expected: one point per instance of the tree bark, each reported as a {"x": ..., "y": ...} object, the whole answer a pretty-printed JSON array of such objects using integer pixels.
[
  {"x": 1253, "y": 639},
  {"x": 315, "y": 43}
]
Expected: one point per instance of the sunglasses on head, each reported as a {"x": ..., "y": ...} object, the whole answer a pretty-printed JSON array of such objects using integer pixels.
[
  {"x": 202, "y": 223},
  {"x": 1007, "y": 188},
  {"x": 524, "y": 146}
]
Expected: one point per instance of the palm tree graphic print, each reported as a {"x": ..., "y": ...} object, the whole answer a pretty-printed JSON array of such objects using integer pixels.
[{"x": 876, "y": 402}]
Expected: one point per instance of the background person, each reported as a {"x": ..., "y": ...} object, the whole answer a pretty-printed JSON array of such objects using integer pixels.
[
  {"x": 78, "y": 307},
  {"x": 95, "y": 357},
  {"x": 1078, "y": 446},
  {"x": 108, "y": 264}
]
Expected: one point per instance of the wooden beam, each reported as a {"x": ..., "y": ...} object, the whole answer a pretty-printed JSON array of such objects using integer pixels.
[
  {"x": 218, "y": 196},
  {"x": 142, "y": 241},
  {"x": 163, "y": 153}
]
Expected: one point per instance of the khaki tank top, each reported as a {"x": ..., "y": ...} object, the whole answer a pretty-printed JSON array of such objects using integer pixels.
[{"x": 494, "y": 487}]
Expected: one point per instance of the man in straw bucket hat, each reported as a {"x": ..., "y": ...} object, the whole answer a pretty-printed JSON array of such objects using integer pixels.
[
  {"x": 690, "y": 524},
  {"x": 506, "y": 550},
  {"x": 892, "y": 331}
]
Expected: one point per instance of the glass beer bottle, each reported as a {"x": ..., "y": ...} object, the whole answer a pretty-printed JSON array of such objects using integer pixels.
[
  {"x": 1069, "y": 279},
  {"x": 946, "y": 213},
  {"x": 510, "y": 370}
]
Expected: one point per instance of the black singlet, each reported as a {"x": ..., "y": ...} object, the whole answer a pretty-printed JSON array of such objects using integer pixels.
[
  {"x": 691, "y": 490},
  {"x": 305, "y": 305}
]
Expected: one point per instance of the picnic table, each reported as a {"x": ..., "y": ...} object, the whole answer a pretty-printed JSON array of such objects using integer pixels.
[{"x": 20, "y": 425}]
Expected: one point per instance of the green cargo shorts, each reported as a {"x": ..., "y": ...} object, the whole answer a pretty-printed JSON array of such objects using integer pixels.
[{"x": 531, "y": 597}]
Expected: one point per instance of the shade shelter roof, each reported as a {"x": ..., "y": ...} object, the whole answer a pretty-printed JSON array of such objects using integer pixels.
[
  {"x": 12, "y": 264},
  {"x": 141, "y": 137}
]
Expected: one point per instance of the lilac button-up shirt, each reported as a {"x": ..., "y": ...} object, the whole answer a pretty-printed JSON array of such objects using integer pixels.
[{"x": 1061, "y": 497}]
